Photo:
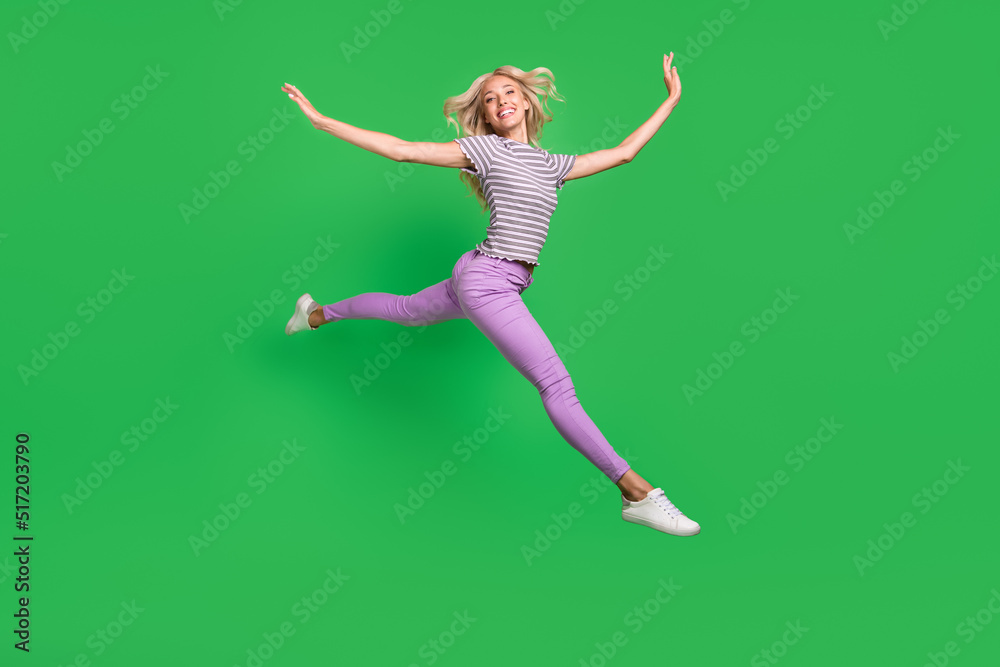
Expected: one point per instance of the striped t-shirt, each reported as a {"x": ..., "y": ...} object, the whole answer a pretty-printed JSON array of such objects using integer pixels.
[{"x": 519, "y": 183}]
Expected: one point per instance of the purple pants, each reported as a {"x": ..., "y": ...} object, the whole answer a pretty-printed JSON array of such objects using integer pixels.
[{"x": 487, "y": 291}]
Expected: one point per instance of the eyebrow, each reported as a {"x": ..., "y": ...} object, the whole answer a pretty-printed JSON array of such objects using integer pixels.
[{"x": 506, "y": 85}]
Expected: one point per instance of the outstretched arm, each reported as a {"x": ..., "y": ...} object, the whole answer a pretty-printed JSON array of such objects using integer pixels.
[
  {"x": 379, "y": 143},
  {"x": 623, "y": 153},
  {"x": 447, "y": 154}
]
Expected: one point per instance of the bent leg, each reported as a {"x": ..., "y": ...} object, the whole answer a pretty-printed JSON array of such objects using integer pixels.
[{"x": 504, "y": 319}]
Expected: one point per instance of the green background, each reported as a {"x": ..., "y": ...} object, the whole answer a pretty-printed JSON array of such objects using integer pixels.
[{"x": 333, "y": 507}]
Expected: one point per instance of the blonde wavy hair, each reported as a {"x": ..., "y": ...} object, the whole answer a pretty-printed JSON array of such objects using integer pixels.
[{"x": 468, "y": 109}]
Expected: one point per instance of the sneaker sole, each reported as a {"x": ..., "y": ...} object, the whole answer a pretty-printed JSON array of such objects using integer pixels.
[
  {"x": 302, "y": 300},
  {"x": 656, "y": 526}
]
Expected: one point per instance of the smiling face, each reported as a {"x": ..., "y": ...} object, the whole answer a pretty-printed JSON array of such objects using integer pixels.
[{"x": 501, "y": 95}]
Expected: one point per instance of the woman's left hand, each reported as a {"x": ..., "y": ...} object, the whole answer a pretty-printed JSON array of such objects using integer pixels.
[
  {"x": 307, "y": 108},
  {"x": 671, "y": 78}
]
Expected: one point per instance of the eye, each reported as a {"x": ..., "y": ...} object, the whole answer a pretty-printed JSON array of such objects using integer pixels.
[{"x": 489, "y": 99}]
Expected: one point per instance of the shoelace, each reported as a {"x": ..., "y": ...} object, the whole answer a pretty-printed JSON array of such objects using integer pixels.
[{"x": 662, "y": 501}]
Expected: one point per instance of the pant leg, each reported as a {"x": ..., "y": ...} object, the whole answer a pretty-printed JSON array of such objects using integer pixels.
[
  {"x": 489, "y": 291},
  {"x": 437, "y": 303}
]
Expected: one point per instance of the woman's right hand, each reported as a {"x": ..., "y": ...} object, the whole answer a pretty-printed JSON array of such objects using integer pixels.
[
  {"x": 671, "y": 78},
  {"x": 307, "y": 108}
]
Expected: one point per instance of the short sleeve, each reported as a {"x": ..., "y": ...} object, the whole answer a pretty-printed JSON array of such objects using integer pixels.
[
  {"x": 564, "y": 165},
  {"x": 480, "y": 149}
]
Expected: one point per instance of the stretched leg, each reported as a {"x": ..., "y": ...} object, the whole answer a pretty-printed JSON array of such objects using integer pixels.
[
  {"x": 437, "y": 303},
  {"x": 491, "y": 298},
  {"x": 430, "y": 305}
]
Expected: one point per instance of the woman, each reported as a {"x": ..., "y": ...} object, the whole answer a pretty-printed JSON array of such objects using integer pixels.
[{"x": 501, "y": 162}]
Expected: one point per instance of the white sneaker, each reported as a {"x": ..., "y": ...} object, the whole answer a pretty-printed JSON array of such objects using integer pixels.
[
  {"x": 656, "y": 511},
  {"x": 300, "y": 320}
]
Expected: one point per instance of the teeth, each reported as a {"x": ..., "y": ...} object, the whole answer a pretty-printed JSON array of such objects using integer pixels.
[{"x": 506, "y": 113}]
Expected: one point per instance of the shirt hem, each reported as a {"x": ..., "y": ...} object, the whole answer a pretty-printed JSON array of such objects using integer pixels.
[{"x": 511, "y": 259}]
